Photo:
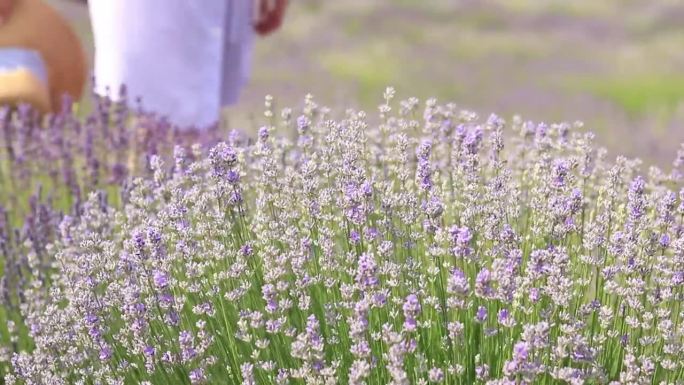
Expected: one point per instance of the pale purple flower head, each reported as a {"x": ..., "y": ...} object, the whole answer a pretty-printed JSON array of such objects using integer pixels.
[
  {"x": 354, "y": 237},
  {"x": 366, "y": 272},
  {"x": 411, "y": 309},
  {"x": 222, "y": 157},
  {"x": 105, "y": 353},
  {"x": 481, "y": 314},
  {"x": 483, "y": 283},
  {"x": 435, "y": 375},
  {"x": 504, "y": 317},
  {"x": 161, "y": 279},
  {"x": 149, "y": 350},
  {"x": 197, "y": 376},
  {"x": 521, "y": 351},
  {"x": 246, "y": 250}
]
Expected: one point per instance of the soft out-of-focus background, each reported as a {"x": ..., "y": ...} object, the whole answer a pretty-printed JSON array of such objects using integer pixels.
[{"x": 617, "y": 65}]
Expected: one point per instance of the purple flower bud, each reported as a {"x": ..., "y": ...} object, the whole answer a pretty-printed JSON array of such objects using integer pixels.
[
  {"x": 269, "y": 295},
  {"x": 372, "y": 233},
  {"x": 624, "y": 339},
  {"x": 483, "y": 284},
  {"x": 139, "y": 241},
  {"x": 90, "y": 319},
  {"x": 263, "y": 134},
  {"x": 636, "y": 202},
  {"x": 503, "y": 316},
  {"x": 560, "y": 170},
  {"x": 481, "y": 314},
  {"x": 95, "y": 333},
  {"x": 166, "y": 299},
  {"x": 411, "y": 309},
  {"x": 172, "y": 318},
  {"x": 366, "y": 189},
  {"x": 139, "y": 307},
  {"x": 161, "y": 279},
  {"x": 534, "y": 295},
  {"x": 366, "y": 272},
  {"x": 354, "y": 237},
  {"x": 379, "y": 299},
  {"x": 435, "y": 375},
  {"x": 303, "y": 124},
  {"x": 520, "y": 351},
  {"x": 411, "y": 305},
  {"x": 185, "y": 338},
  {"x": 233, "y": 177},
  {"x": 167, "y": 357},
  {"x": 482, "y": 372},
  {"x": 149, "y": 350},
  {"x": 154, "y": 235},
  {"x": 664, "y": 240},
  {"x": 317, "y": 365},
  {"x": 197, "y": 376},
  {"x": 410, "y": 324},
  {"x": 678, "y": 278},
  {"x": 246, "y": 250},
  {"x": 461, "y": 235},
  {"x": 105, "y": 353},
  {"x": 222, "y": 158}
]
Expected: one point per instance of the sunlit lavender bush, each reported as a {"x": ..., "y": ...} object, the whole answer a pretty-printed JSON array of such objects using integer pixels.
[{"x": 409, "y": 249}]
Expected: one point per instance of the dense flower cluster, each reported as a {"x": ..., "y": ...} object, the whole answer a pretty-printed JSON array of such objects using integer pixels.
[
  {"x": 411, "y": 250},
  {"x": 47, "y": 167}
]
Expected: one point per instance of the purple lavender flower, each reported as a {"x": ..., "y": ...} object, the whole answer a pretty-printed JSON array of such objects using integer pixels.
[
  {"x": 149, "y": 350},
  {"x": 461, "y": 237},
  {"x": 269, "y": 294},
  {"x": 372, "y": 233},
  {"x": 505, "y": 319},
  {"x": 561, "y": 169},
  {"x": 161, "y": 279},
  {"x": 366, "y": 272},
  {"x": 222, "y": 157},
  {"x": 424, "y": 168},
  {"x": 664, "y": 240},
  {"x": 105, "y": 353},
  {"x": 481, "y": 314},
  {"x": 636, "y": 204},
  {"x": 197, "y": 376},
  {"x": 521, "y": 351},
  {"x": 354, "y": 237},
  {"x": 435, "y": 375},
  {"x": 411, "y": 309},
  {"x": 678, "y": 278},
  {"x": 246, "y": 250},
  {"x": 233, "y": 177},
  {"x": 483, "y": 283},
  {"x": 263, "y": 134}
]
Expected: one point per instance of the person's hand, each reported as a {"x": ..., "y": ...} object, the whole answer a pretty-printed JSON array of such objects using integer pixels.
[
  {"x": 269, "y": 17},
  {"x": 6, "y": 7}
]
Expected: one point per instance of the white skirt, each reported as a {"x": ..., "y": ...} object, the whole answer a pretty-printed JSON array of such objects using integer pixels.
[{"x": 184, "y": 58}]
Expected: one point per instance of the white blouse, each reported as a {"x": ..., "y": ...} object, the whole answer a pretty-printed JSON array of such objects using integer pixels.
[{"x": 185, "y": 58}]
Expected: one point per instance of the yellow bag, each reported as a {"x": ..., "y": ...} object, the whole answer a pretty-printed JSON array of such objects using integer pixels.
[
  {"x": 23, "y": 79},
  {"x": 43, "y": 57}
]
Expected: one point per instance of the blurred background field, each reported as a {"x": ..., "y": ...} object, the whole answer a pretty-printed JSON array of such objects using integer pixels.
[{"x": 616, "y": 65}]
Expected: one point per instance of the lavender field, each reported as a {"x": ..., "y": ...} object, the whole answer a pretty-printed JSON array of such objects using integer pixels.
[
  {"x": 615, "y": 65},
  {"x": 366, "y": 236}
]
